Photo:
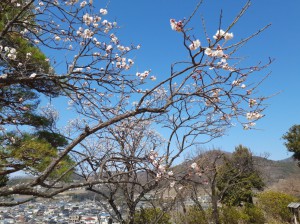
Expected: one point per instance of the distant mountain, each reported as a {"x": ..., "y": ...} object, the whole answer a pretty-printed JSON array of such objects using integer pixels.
[
  {"x": 274, "y": 171},
  {"x": 282, "y": 175},
  {"x": 290, "y": 159}
]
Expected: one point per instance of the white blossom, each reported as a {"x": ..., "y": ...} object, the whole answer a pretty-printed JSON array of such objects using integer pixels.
[
  {"x": 114, "y": 39},
  {"x": 253, "y": 115},
  {"x": 162, "y": 168},
  {"x": 72, "y": 2},
  {"x": 83, "y": 4},
  {"x": 130, "y": 61},
  {"x": 194, "y": 165},
  {"x": 87, "y": 33},
  {"x": 87, "y": 19},
  {"x": 33, "y": 75},
  {"x": 153, "y": 78},
  {"x": 218, "y": 53},
  {"x": 11, "y": 56},
  {"x": 108, "y": 48},
  {"x": 58, "y": 38},
  {"x": 24, "y": 31},
  {"x": 78, "y": 70},
  {"x": 158, "y": 176},
  {"x": 103, "y": 11},
  {"x": 172, "y": 184},
  {"x": 228, "y": 36},
  {"x": 208, "y": 51},
  {"x": 237, "y": 82},
  {"x": 13, "y": 51},
  {"x": 121, "y": 48},
  {"x": 143, "y": 75},
  {"x": 251, "y": 124},
  {"x": 97, "y": 19},
  {"x": 154, "y": 162},
  {"x": 96, "y": 54},
  {"x": 177, "y": 26},
  {"x": 195, "y": 45},
  {"x": 219, "y": 34}
]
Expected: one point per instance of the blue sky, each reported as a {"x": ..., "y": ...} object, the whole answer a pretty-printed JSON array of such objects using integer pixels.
[{"x": 147, "y": 23}]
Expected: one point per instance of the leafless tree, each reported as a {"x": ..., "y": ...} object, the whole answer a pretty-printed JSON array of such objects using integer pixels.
[
  {"x": 202, "y": 97},
  {"x": 226, "y": 179},
  {"x": 126, "y": 156}
]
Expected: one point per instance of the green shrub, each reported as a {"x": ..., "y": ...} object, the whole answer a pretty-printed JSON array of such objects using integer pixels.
[
  {"x": 274, "y": 204},
  {"x": 193, "y": 216},
  {"x": 254, "y": 213},
  {"x": 151, "y": 215},
  {"x": 232, "y": 215}
]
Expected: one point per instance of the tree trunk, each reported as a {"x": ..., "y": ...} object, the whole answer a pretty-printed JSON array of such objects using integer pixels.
[
  {"x": 131, "y": 215},
  {"x": 214, "y": 202}
]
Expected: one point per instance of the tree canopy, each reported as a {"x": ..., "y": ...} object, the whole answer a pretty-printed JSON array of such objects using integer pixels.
[
  {"x": 21, "y": 60},
  {"x": 238, "y": 177},
  {"x": 229, "y": 179},
  {"x": 292, "y": 141},
  {"x": 109, "y": 100}
]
